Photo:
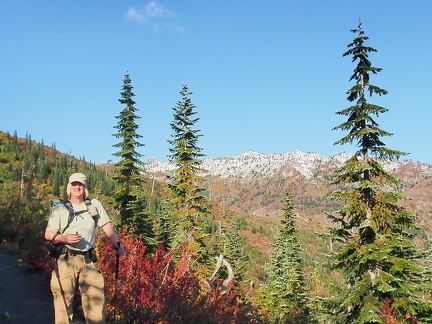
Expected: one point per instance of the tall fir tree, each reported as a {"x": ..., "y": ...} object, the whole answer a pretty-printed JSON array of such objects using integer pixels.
[
  {"x": 376, "y": 255},
  {"x": 233, "y": 250},
  {"x": 226, "y": 240},
  {"x": 164, "y": 224},
  {"x": 189, "y": 204},
  {"x": 141, "y": 223},
  {"x": 129, "y": 171},
  {"x": 284, "y": 294}
]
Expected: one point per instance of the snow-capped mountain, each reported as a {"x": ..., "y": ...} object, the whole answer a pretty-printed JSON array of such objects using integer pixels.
[
  {"x": 254, "y": 183},
  {"x": 252, "y": 165}
]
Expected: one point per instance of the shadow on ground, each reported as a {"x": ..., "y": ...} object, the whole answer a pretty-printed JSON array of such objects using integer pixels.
[{"x": 24, "y": 297}]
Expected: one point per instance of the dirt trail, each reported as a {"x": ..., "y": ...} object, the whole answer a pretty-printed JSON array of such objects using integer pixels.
[{"x": 25, "y": 297}]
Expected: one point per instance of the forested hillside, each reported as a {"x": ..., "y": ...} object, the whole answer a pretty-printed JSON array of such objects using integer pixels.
[
  {"x": 32, "y": 174},
  {"x": 252, "y": 184}
]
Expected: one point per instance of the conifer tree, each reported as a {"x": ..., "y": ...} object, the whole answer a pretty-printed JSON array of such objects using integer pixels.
[
  {"x": 226, "y": 240},
  {"x": 234, "y": 251},
  {"x": 164, "y": 235},
  {"x": 141, "y": 222},
  {"x": 377, "y": 257},
  {"x": 57, "y": 179},
  {"x": 129, "y": 169},
  {"x": 188, "y": 202},
  {"x": 284, "y": 293}
]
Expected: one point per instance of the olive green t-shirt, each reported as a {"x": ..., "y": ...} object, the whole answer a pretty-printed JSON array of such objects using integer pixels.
[{"x": 83, "y": 223}]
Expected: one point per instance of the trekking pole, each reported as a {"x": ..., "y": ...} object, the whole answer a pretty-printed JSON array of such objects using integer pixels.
[
  {"x": 116, "y": 281},
  {"x": 56, "y": 269}
]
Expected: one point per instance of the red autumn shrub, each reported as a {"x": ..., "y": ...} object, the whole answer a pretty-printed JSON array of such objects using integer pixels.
[
  {"x": 388, "y": 317},
  {"x": 158, "y": 289}
]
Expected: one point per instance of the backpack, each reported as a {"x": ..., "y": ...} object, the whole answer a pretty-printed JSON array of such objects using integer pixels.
[{"x": 56, "y": 249}]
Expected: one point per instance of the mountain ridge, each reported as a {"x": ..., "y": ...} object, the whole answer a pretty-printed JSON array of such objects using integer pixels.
[
  {"x": 254, "y": 164},
  {"x": 254, "y": 183}
]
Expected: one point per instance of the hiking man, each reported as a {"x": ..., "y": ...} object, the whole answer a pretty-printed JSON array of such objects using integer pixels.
[{"x": 76, "y": 229}]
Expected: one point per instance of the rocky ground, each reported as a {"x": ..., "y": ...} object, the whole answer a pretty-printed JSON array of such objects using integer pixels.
[{"x": 24, "y": 297}]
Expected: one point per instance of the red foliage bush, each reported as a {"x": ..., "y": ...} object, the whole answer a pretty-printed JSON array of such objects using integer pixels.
[
  {"x": 388, "y": 317},
  {"x": 157, "y": 289}
]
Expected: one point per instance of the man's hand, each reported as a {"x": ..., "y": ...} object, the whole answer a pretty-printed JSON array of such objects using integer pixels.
[
  {"x": 120, "y": 250},
  {"x": 73, "y": 238}
]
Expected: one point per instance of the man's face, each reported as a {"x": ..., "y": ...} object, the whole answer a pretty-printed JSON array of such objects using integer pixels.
[{"x": 77, "y": 189}]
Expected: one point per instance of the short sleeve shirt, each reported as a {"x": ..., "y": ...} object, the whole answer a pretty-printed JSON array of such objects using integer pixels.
[{"x": 82, "y": 223}]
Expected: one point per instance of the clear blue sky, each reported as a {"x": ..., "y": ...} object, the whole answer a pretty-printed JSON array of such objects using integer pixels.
[{"x": 265, "y": 75}]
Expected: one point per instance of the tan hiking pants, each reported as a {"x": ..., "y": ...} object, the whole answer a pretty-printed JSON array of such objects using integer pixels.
[{"x": 73, "y": 270}]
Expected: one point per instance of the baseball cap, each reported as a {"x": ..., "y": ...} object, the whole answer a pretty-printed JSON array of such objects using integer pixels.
[{"x": 77, "y": 177}]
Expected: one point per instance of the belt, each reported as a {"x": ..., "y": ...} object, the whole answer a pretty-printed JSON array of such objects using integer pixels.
[
  {"x": 90, "y": 255},
  {"x": 75, "y": 252}
]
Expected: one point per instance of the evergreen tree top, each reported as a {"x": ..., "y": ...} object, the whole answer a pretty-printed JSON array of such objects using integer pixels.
[{"x": 363, "y": 129}]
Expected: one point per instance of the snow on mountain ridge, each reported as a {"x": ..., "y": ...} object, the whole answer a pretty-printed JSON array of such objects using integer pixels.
[{"x": 252, "y": 164}]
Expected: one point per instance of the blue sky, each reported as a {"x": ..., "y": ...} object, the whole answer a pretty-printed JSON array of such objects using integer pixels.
[{"x": 265, "y": 75}]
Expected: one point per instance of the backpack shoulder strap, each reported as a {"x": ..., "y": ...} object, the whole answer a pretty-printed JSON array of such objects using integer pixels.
[
  {"x": 92, "y": 210},
  {"x": 54, "y": 204},
  {"x": 72, "y": 213},
  {"x": 88, "y": 201}
]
